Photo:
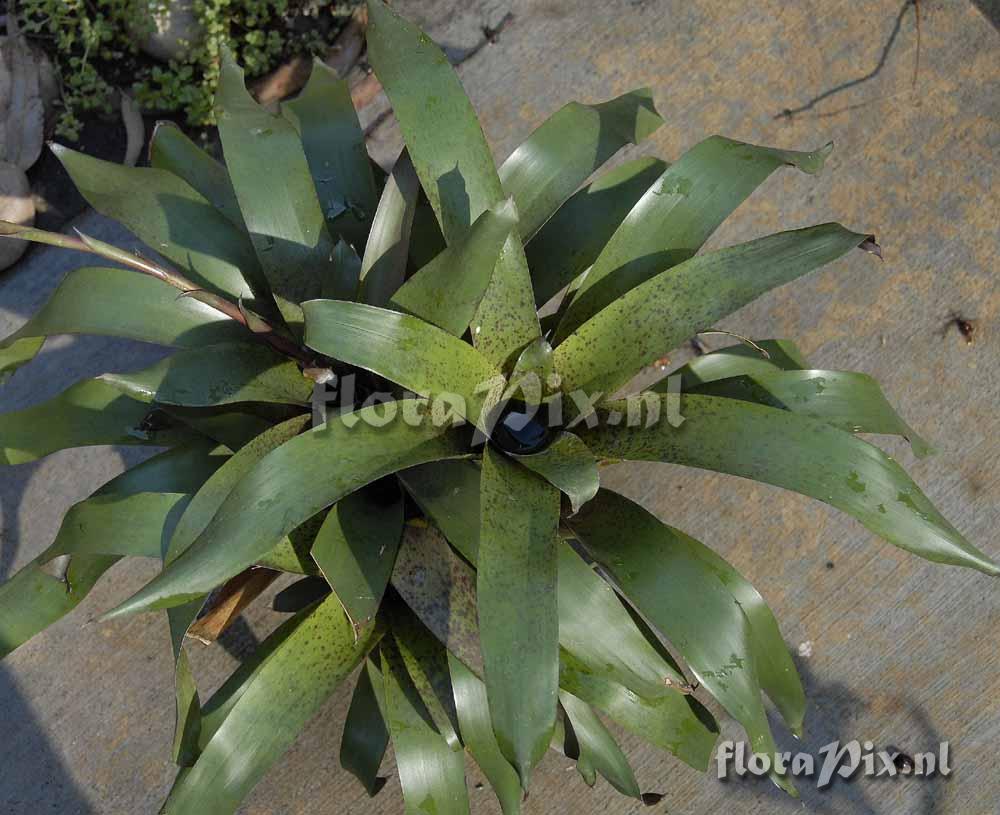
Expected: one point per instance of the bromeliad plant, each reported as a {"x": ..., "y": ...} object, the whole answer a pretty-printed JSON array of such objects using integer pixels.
[{"x": 486, "y": 613}]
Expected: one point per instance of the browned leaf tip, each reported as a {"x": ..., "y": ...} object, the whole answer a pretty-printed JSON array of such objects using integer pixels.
[
  {"x": 869, "y": 245},
  {"x": 651, "y": 799}
]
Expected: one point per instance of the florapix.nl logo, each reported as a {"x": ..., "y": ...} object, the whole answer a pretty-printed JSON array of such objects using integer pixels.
[{"x": 846, "y": 760}]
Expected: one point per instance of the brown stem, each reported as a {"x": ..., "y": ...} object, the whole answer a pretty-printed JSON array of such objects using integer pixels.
[{"x": 84, "y": 243}]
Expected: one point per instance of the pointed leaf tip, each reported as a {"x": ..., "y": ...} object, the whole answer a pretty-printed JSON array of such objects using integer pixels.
[{"x": 869, "y": 245}]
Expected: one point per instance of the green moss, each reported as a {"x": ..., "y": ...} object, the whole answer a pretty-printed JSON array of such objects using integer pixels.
[{"x": 95, "y": 48}]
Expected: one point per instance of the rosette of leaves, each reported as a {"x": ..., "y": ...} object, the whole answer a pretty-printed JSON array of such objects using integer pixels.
[{"x": 460, "y": 559}]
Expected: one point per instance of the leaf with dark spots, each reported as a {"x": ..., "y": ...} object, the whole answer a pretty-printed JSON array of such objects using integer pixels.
[
  {"x": 574, "y": 236},
  {"x": 654, "y": 317},
  {"x": 675, "y": 217},
  {"x": 546, "y": 169},
  {"x": 516, "y": 585},
  {"x": 281, "y": 491},
  {"x": 277, "y": 701},
  {"x": 800, "y": 454},
  {"x": 217, "y": 375},
  {"x": 356, "y": 547}
]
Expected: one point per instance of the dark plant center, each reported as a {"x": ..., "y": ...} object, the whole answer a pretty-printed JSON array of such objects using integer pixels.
[{"x": 522, "y": 429}]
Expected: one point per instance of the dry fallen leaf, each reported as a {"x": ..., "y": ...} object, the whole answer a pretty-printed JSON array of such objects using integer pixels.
[{"x": 26, "y": 82}]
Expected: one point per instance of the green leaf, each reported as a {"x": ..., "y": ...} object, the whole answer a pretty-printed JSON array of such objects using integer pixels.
[
  {"x": 676, "y": 216},
  {"x": 574, "y": 236},
  {"x": 133, "y": 525},
  {"x": 426, "y": 662},
  {"x": 518, "y": 613},
  {"x": 88, "y": 413},
  {"x": 455, "y": 167},
  {"x": 477, "y": 733},
  {"x": 334, "y": 144},
  {"x": 440, "y": 588},
  {"x": 566, "y": 148},
  {"x": 287, "y": 690},
  {"x": 598, "y": 749},
  {"x": 799, "y": 454},
  {"x": 598, "y": 631},
  {"x": 173, "y": 219},
  {"x": 432, "y": 774},
  {"x": 738, "y": 360},
  {"x": 282, "y": 491},
  {"x": 35, "y": 598},
  {"x": 593, "y": 624},
  {"x": 405, "y": 350},
  {"x": 119, "y": 303},
  {"x": 383, "y": 267},
  {"x": 850, "y": 401},
  {"x": 674, "y": 722},
  {"x": 171, "y": 150},
  {"x": 568, "y": 466},
  {"x": 366, "y": 734},
  {"x": 448, "y": 290},
  {"x": 685, "y": 599},
  {"x": 217, "y": 375},
  {"x": 639, "y": 327},
  {"x": 273, "y": 184},
  {"x": 439, "y": 125},
  {"x": 356, "y": 547}
]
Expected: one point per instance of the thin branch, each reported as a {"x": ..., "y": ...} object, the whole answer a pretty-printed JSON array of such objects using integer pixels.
[{"x": 254, "y": 323}]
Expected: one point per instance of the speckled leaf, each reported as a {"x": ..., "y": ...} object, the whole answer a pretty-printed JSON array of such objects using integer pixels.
[
  {"x": 477, "y": 733},
  {"x": 334, "y": 144},
  {"x": 455, "y": 167},
  {"x": 163, "y": 211},
  {"x": 850, "y": 401},
  {"x": 383, "y": 267},
  {"x": 282, "y": 491},
  {"x": 676, "y": 216},
  {"x": 118, "y": 303},
  {"x": 273, "y": 184},
  {"x": 566, "y": 148},
  {"x": 518, "y": 613},
  {"x": 366, "y": 734},
  {"x": 593, "y": 624},
  {"x": 800, "y": 454},
  {"x": 675, "y": 722},
  {"x": 217, "y": 375},
  {"x": 403, "y": 349},
  {"x": 685, "y": 598},
  {"x": 426, "y": 662},
  {"x": 431, "y": 774},
  {"x": 448, "y": 290},
  {"x": 440, "y": 588},
  {"x": 356, "y": 547},
  {"x": 287, "y": 690},
  {"x": 88, "y": 413},
  {"x": 739, "y": 360},
  {"x": 597, "y": 748},
  {"x": 171, "y": 150},
  {"x": 574, "y": 236},
  {"x": 568, "y": 466},
  {"x": 642, "y": 325}
]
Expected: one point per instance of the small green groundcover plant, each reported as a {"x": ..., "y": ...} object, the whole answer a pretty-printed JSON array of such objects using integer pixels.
[
  {"x": 447, "y": 517},
  {"x": 95, "y": 47}
]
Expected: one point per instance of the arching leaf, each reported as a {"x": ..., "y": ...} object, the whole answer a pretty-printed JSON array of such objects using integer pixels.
[
  {"x": 546, "y": 169},
  {"x": 282, "y": 491},
  {"x": 800, "y": 454},
  {"x": 676, "y": 216},
  {"x": 654, "y": 317},
  {"x": 119, "y": 303}
]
